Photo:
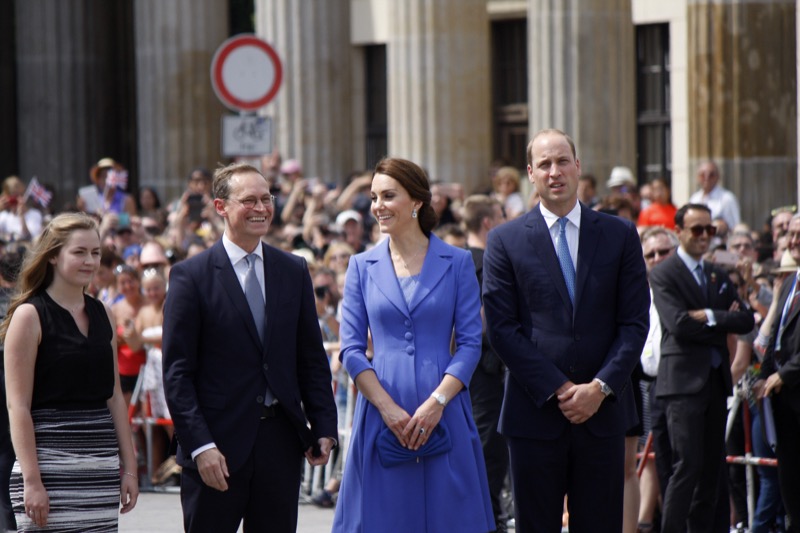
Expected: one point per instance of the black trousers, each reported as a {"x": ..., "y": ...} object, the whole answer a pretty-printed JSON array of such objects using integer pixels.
[
  {"x": 696, "y": 428},
  {"x": 263, "y": 492},
  {"x": 787, "y": 428},
  {"x": 486, "y": 392}
]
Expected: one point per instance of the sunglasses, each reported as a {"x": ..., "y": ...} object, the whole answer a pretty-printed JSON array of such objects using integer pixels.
[
  {"x": 661, "y": 253},
  {"x": 698, "y": 230}
]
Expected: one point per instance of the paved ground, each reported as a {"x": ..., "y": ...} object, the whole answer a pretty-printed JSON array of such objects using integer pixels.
[{"x": 161, "y": 513}]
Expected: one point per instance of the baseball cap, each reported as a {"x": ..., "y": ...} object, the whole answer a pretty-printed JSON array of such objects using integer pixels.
[
  {"x": 621, "y": 176},
  {"x": 349, "y": 214}
]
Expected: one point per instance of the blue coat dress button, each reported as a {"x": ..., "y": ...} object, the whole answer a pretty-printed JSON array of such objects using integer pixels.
[
  {"x": 407, "y": 323},
  {"x": 410, "y": 350},
  {"x": 409, "y": 335}
]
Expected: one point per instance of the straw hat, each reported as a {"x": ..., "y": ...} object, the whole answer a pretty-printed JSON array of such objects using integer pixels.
[
  {"x": 106, "y": 162},
  {"x": 788, "y": 264}
]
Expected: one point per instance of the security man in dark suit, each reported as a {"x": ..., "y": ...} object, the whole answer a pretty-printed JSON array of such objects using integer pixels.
[{"x": 698, "y": 306}]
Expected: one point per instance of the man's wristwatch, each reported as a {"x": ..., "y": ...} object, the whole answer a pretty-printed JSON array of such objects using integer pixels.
[
  {"x": 605, "y": 389},
  {"x": 441, "y": 399}
]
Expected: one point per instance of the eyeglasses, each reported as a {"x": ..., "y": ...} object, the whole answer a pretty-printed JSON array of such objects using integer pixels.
[
  {"x": 251, "y": 201},
  {"x": 742, "y": 245},
  {"x": 698, "y": 230},
  {"x": 663, "y": 252}
]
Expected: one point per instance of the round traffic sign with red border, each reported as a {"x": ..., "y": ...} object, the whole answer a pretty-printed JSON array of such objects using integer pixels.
[{"x": 246, "y": 73}]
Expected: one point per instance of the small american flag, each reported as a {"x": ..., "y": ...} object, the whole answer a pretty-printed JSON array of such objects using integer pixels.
[
  {"x": 117, "y": 178},
  {"x": 36, "y": 190}
]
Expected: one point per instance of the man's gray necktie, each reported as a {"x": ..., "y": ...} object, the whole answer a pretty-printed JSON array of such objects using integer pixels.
[
  {"x": 252, "y": 291},
  {"x": 565, "y": 260},
  {"x": 255, "y": 299},
  {"x": 700, "y": 276}
]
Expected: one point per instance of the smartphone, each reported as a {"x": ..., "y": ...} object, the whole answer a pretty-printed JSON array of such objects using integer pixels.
[
  {"x": 195, "y": 202},
  {"x": 124, "y": 220},
  {"x": 724, "y": 257}
]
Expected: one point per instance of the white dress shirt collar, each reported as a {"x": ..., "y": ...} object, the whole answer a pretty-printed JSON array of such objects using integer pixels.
[
  {"x": 573, "y": 216},
  {"x": 235, "y": 253}
]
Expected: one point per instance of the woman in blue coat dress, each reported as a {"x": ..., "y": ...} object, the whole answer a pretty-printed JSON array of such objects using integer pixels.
[{"x": 415, "y": 460}]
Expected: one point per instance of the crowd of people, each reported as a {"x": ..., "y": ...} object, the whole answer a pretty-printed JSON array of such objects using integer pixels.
[{"x": 491, "y": 337}]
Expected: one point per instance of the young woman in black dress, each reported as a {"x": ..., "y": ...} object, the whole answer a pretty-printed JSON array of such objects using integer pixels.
[{"x": 69, "y": 425}]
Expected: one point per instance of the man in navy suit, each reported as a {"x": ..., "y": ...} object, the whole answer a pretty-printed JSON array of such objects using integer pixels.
[
  {"x": 699, "y": 307},
  {"x": 781, "y": 369},
  {"x": 245, "y": 371},
  {"x": 567, "y": 310}
]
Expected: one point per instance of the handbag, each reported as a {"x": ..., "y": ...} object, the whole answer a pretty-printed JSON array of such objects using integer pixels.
[{"x": 392, "y": 453}]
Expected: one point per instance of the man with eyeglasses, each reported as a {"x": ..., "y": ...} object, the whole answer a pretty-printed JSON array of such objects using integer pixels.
[
  {"x": 698, "y": 307},
  {"x": 658, "y": 243},
  {"x": 245, "y": 372}
]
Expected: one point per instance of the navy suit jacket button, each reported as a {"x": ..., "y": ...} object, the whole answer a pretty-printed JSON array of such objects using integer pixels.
[
  {"x": 266, "y": 366},
  {"x": 259, "y": 399}
]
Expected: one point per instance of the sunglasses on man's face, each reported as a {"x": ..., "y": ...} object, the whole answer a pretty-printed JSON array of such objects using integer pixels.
[
  {"x": 698, "y": 230},
  {"x": 663, "y": 252}
]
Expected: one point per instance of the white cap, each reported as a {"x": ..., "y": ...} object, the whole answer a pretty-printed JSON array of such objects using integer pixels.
[
  {"x": 350, "y": 214},
  {"x": 621, "y": 176}
]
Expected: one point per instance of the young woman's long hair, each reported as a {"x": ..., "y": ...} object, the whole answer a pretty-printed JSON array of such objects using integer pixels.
[{"x": 37, "y": 270}]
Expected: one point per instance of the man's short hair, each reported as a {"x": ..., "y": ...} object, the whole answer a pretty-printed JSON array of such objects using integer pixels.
[
  {"x": 476, "y": 208},
  {"x": 548, "y": 131},
  {"x": 590, "y": 178},
  {"x": 681, "y": 213},
  {"x": 222, "y": 178},
  {"x": 655, "y": 231}
]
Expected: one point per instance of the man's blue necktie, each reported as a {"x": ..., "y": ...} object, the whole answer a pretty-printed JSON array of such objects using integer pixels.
[
  {"x": 255, "y": 299},
  {"x": 565, "y": 260}
]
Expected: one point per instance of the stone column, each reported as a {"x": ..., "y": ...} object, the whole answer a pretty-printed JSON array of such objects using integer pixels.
[
  {"x": 439, "y": 94},
  {"x": 74, "y": 89},
  {"x": 743, "y": 98},
  {"x": 178, "y": 114},
  {"x": 312, "y": 110},
  {"x": 582, "y": 78}
]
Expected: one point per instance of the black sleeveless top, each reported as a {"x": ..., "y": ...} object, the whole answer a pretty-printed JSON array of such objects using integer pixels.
[{"x": 72, "y": 371}]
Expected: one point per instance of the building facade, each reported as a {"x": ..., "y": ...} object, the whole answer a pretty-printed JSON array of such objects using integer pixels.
[{"x": 452, "y": 84}]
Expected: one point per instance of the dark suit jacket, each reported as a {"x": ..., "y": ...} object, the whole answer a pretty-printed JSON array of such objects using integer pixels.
[
  {"x": 686, "y": 344},
  {"x": 544, "y": 341},
  {"x": 790, "y": 351},
  {"x": 215, "y": 368}
]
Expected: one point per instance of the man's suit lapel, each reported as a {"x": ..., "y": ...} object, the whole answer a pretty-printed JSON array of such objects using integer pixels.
[
  {"x": 230, "y": 284},
  {"x": 381, "y": 271},
  {"x": 588, "y": 238},
  {"x": 542, "y": 243}
]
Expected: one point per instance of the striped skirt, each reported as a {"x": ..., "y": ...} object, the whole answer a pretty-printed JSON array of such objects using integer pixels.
[{"x": 79, "y": 463}]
